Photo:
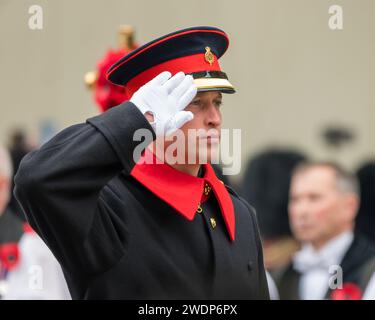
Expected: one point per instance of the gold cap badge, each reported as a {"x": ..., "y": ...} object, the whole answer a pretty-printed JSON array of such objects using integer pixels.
[{"x": 209, "y": 56}]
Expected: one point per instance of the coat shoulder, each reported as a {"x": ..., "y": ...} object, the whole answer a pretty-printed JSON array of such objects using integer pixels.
[{"x": 241, "y": 202}]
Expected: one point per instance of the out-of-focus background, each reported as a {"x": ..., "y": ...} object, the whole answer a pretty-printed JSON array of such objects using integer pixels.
[
  {"x": 304, "y": 89},
  {"x": 294, "y": 75}
]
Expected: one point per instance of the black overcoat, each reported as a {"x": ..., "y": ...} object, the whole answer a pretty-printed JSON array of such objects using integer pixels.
[{"x": 115, "y": 239}]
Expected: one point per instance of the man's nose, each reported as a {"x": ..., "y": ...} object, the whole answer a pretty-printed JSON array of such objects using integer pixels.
[
  {"x": 301, "y": 210},
  {"x": 213, "y": 116}
]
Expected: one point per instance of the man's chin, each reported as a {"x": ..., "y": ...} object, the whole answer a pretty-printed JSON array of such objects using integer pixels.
[{"x": 208, "y": 155}]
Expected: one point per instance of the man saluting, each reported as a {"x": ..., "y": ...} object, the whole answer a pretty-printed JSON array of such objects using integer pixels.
[{"x": 125, "y": 228}]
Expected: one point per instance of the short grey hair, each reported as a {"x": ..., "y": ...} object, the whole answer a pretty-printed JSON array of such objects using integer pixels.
[
  {"x": 346, "y": 182},
  {"x": 6, "y": 166}
]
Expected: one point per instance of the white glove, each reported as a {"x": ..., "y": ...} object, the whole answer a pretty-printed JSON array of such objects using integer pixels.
[{"x": 166, "y": 98}]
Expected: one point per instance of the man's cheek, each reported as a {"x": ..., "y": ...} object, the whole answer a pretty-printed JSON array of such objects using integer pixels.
[{"x": 320, "y": 217}]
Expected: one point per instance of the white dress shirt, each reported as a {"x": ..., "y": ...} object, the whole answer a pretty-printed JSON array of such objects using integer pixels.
[
  {"x": 314, "y": 265},
  {"x": 38, "y": 275}
]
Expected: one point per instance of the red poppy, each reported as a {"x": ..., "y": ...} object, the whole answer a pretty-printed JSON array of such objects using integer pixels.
[
  {"x": 349, "y": 291},
  {"x": 9, "y": 255},
  {"x": 107, "y": 94},
  {"x": 27, "y": 228}
]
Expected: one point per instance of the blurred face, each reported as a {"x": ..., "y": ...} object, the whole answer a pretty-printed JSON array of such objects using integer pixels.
[
  {"x": 318, "y": 211},
  {"x": 4, "y": 192},
  {"x": 201, "y": 135}
]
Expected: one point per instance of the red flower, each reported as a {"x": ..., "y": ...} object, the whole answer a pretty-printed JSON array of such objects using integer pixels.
[
  {"x": 9, "y": 256},
  {"x": 108, "y": 95},
  {"x": 349, "y": 291},
  {"x": 27, "y": 228}
]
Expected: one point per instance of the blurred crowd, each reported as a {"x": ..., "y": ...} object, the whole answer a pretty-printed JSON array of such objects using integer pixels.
[{"x": 28, "y": 269}]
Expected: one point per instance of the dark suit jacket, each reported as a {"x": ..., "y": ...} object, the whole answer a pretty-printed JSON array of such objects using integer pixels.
[{"x": 355, "y": 266}]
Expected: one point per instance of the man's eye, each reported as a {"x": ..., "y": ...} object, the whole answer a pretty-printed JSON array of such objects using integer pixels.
[
  {"x": 218, "y": 103},
  {"x": 315, "y": 197},
  {"x": 196, "y": 102}
]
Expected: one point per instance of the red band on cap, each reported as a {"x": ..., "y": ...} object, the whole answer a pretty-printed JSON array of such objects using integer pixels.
[{"x": 187, "y": 64}]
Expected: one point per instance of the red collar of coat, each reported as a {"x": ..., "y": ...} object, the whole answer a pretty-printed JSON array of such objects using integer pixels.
[{"x": 181, "y": 191}]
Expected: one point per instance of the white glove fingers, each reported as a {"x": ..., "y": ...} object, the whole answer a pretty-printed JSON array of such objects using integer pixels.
[
  {"x": 182, "y": 117},
  {"x": 174, "y": 82},
  {"x": 180, "y": 90},
  {"x": 187, "y": 97},
  {"x": 160, "y": 79}
]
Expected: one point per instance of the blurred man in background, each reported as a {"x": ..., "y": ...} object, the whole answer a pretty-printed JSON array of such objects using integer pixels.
[
  {"x": 324, "y": 200},
  {"x": 19, "y": 146},
  {"x": 11, "y": 229},
  {"x": 28, "y": 270}
]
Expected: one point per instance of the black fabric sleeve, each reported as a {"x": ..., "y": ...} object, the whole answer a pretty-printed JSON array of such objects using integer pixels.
[{"x": 59, "y": 186}]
